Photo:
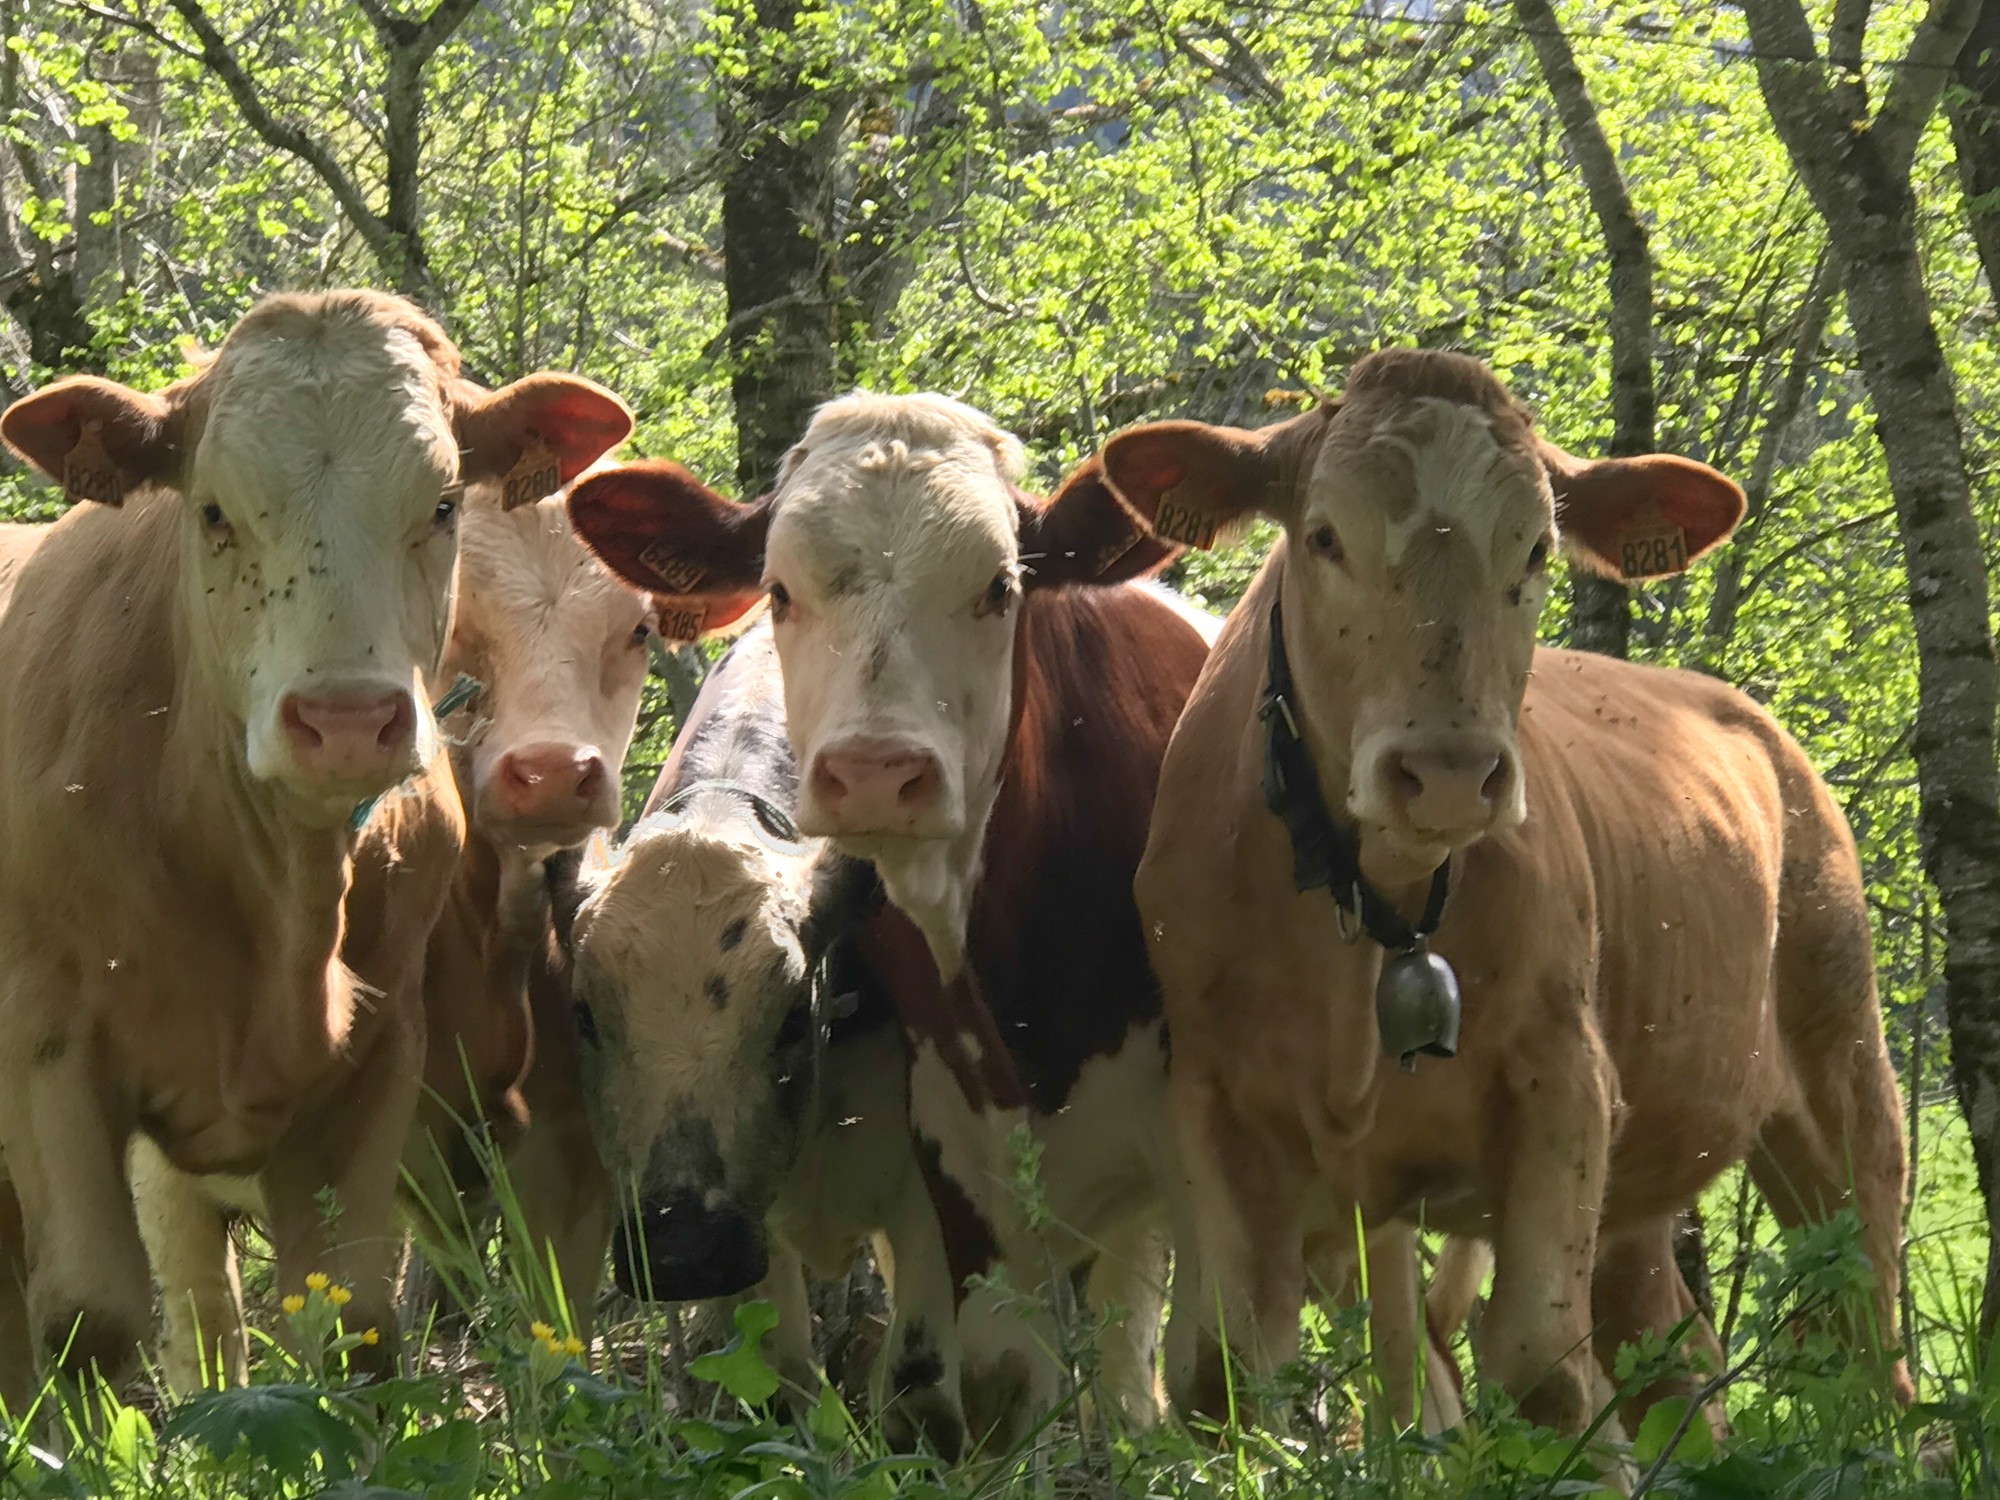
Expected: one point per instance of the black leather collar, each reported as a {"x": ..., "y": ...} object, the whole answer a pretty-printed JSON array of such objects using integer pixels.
[{"x": 1324, "y": 854}]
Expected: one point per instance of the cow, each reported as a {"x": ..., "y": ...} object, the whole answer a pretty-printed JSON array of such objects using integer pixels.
[
  {"x": 207, "y": 667},
  {"x": 557, "y": 650},
  {"x": 1650, "y": 899},
  {"x": 977, "y": 702},
  {"x": 747, "y": 1074}
]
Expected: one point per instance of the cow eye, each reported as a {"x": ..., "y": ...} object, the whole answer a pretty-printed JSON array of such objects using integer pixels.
[
  {"x": 998, "y": 597},
  {"x": 1538, "y": 558},
  {"x": 446, "y": 514},
  {"x": 1324, "y": 542},
  {"x": 641, "y": 632},
  {"x": 586, "y": 1022},
  {"x": 781, "y": 601},
  {"x": 217, "y": 523},
  {"x": 792, "y": 1031}
]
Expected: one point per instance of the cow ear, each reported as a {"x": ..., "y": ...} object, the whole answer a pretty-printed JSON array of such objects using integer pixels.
[
  {"x": 537, "y": 434},
  {"x": 1190, "y": 482},
  {"x": 96, "y": 438},
  {"x": 1086, "y": 534},
  {"x": 1638, "y": 518},
  {"x": 661, "y": 529}
]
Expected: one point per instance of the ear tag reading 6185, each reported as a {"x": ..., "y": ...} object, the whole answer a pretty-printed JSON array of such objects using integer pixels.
[
  {"x": 537, "y": 473},
  {"x": 89, "y": 473}
]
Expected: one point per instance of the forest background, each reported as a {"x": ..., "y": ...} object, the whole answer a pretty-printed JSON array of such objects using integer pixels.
[{"x": 1766, "y": 235}]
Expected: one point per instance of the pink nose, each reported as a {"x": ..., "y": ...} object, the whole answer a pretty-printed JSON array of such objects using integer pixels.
[
  {"x": 350, "y": 736},
  {"x": 549, "y": 783},
  {"x": 875, "y": 786},
  {"x": 1450, "y": 787}
]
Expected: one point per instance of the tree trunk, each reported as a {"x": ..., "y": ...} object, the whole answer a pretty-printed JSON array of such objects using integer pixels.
[
  {"x": 777, "y": 207},
  {"x": 1860, "y": 182},
  {"x": 1974, "y": 107},
  {"x": 1601, "y": 610}
]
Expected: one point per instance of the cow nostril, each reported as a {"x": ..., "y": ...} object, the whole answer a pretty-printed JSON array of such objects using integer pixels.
[
  {"x": 921, "y": 787},
  {"x": 1494, "y": 787},
  {"x": 396, "y": 728},
  {"x": 1405, "y": 785},
  {"x": 593, "y": 774},
  {"x": 826, "y": 782}
]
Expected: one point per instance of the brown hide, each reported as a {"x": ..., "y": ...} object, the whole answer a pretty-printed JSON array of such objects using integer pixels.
[{"x": 1667, "y": 964}]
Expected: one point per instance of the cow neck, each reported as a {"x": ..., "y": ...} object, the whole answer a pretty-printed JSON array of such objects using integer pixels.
[{"x": 1326, "y": 855}]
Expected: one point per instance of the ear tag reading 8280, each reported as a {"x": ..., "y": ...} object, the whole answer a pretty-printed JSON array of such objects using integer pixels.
[
  {"x": 89, "y": 473},
  {"x": 538, "y": 472},
  {"x": 1417, "y": 1005}
]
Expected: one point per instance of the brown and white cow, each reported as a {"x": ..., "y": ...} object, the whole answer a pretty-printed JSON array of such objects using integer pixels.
[
  {"x": 558, "y": 648},
  {"x": 977, "y": 709},
  {"x": 202, "y": 672},
  {"x": 1655, "y": 909}
]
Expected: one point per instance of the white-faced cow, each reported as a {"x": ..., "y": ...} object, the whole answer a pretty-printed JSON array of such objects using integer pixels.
[
  {"x": 558, "y": 649},
  {"x": 733, "y": 980},
  {"x": 221, "y": 651},
  {"x": 977, "y": 709},
  {"x": 1654, "y": 907}
]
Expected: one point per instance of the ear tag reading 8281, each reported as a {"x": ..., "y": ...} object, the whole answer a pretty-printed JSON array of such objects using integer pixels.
[
  {"x": 1178, "y": 520},
  {"x": 89, "y": 473},
  {"x": 538, "y": 472},
  {"x": 1417, "y": 1005},
  {"x": 1652, "y": 547}
]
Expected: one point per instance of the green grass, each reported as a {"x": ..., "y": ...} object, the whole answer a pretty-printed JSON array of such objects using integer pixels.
[{"x": 503, "y": 1404}]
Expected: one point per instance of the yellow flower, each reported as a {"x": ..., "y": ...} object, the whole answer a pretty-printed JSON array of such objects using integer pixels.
[
  {"x": 317, "y": 1282},
  {"x": 572, "y": 1346},
  {"x": 295, "y": 1304},
  {"x": 339, "y": 1296},
  {"x": 551, "y": 1346},
  {"x": 371, "y": 1337},
  {"x": 541, "y": 1331}
]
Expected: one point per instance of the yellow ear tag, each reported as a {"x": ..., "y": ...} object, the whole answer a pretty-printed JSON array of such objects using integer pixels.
[
  {"x": 682, "y": 619},
  {"x": 538, "y": 473},
  {"x": 676, "y": 574},
  {"x": 1177, "y": 521},
  {"x": 1652, "y": 547},
  {"x": 89, "y": 473}
]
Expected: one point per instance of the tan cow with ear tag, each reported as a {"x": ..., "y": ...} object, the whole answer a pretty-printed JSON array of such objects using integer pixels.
[
  {"x": 203, "y": 672},
  {"x": 1651, "y": 903}
]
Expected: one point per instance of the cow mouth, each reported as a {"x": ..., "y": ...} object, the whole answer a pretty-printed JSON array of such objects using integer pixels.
[{"x": 677, "y": 1253}]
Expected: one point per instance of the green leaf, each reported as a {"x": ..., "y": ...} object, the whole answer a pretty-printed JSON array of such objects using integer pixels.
[
  {"x": 741, "y": 1369},
  {"x": 290, "y": 1428},
  {"x": 1697, "y": 1444}
]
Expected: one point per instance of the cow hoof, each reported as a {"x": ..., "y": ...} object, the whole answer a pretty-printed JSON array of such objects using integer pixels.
[
  {"x": 80, "y": 1339},
  {"x": 1000, "y": 1404},
  {"x": 925, "y": 1418}
]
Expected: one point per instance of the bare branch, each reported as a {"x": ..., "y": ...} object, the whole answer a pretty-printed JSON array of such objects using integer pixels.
[
  {"x": 439, "y": 25},
  {"x": 134, "y": 23}
]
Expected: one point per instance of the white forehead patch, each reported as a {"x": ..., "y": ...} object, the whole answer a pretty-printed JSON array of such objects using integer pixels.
[{"x": 1460, "y": 472}]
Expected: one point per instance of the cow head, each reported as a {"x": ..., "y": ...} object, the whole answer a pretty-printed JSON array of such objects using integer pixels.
[
  {"x": 318, "y": 460},
  {"x": 1420, "y": 513},
  {"x": 560, "y": 647},
  {"x": 895, "y": 550},
  {"x": 694, "y": 958}
]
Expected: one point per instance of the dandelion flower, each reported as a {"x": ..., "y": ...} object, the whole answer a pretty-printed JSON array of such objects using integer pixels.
[
  {"x": 339, "y": 1296},
  {"x": 295, "y": 1304},
  {"x": 551, "y": 1346},
  {"x": 317, "y": 1282},
  {"x": 371, "y": 1337},
  {"x": 542, "y": 1332},
  {"x": 572, "y": 1346}
]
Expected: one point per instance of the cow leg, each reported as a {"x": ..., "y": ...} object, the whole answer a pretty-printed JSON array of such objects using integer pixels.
[
  {"x": 784, "y": 1285},
  {"x": 1011, "y": 1375},
  {"x": 915, "y": 1383},
  {"x": 353, "y": 1146},
  {"x": 203, "y": 1342},
  {"x": 1637, "y": 1289},
  {"x": 89, "y": 1293},
  {"x": 566, "y": 1202},
  {"x": 1129, "y": 1276},
  {"x": 1535, "y": 1338},
  {"x": 17, "y": 1350},
  {"x": 1247, "y": 1207}
]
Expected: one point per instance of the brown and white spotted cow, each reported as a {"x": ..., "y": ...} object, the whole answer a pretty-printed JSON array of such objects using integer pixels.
[
  {"x": 748, "y": 1073},
  {"x": 558, "y": 648},
  {"x": 1655, "y": 909},
  {"x": 205, "y": 666},
  {"x": 978, "y": 710}
]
